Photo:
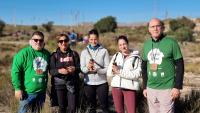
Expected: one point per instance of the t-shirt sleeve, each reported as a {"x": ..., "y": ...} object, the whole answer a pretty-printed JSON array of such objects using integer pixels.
[
  {"x": 176, "y": 51},
  {"x": 144, "y": 56}
]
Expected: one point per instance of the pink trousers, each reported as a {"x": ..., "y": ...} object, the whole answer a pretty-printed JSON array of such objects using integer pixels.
[{"x": 124, "y": 96}]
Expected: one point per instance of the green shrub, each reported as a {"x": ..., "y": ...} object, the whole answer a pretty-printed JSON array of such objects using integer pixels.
[
  {"x": 181, "y": 22},
  {"x": 184, "y": 34},
  {"x": 48, "y": 26},
  {"x": 34, "y": 27},
  {"x": 107, "y": 24},
  {"x": 174, "y": 25}
]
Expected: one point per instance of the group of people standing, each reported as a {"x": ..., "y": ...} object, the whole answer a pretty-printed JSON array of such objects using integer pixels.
[{"x": 161, "y": 67}]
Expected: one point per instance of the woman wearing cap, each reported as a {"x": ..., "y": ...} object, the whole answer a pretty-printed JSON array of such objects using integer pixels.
[
  {"x": 94, "y": 63},
  {"x": 124, "y": 71},
  {"x": 64, "y": 68}
]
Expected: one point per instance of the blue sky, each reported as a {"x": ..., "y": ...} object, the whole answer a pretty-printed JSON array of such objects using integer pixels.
[{"x": 68, "y": 12}]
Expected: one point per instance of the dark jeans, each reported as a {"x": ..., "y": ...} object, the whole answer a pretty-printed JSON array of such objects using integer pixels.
[
  {"x": 66, "y": 100},
  {"x": 102, "y": 93}
]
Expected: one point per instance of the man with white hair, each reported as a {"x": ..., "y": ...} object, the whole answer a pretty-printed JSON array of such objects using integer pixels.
[{"x": 162, "y": 69}]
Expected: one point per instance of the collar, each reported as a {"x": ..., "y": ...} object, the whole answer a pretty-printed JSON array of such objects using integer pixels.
[
  {"x": 94, "y": 47},
  {"x": 159, "y": 39},
  {"x": 67, "y": 51}
]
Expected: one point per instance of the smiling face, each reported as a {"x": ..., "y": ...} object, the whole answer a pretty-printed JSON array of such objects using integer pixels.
[
  {"x": 123, "y": 46},
  {"x": 37, "y": 42},
  {"x": 156, "y": 28},
  {"x": 63, "y": 43},
  {"x": 93, "y": 39}
]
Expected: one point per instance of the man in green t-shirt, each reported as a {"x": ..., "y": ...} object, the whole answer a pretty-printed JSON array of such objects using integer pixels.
[
  {"x": 30, "y": 73},
  {"x": 163, "y": 69}
]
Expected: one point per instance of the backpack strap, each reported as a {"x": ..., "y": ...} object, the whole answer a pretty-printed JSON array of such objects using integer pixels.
[
  {"x": 134, "y": 60},
  {"x": 114, "y": 61},
  {"x": 93, "y": 59}
]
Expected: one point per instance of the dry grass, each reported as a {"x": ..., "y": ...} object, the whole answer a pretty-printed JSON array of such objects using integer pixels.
[
  {"x": 193, "y": 67},
  {"x": 190, "y": 49},
  {"x": 189, "y": 104}
]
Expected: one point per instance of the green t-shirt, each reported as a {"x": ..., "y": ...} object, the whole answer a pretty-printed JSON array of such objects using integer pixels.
[
  {"x": 161, "y": 53},
  {"x": 30, "y": 70}
]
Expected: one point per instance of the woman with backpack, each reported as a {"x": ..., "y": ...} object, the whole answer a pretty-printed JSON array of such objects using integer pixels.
[
  {"x": 64, "y": 68},
  {"x": 124, "y": 71}
]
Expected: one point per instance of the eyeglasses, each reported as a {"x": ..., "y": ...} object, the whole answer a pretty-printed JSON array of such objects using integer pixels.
[
  {"x": 156, "y": 26},
  {"x": 38, "y": 40},
  {"x": 61, "y": 41}
]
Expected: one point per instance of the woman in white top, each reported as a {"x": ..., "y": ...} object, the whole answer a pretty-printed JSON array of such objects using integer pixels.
[
  {"x": 124, "y": 71},
  {"x": 94, "y": 64}
]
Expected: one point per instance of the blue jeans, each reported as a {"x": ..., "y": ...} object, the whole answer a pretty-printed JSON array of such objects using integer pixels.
[{"x": 32, "y": 103}]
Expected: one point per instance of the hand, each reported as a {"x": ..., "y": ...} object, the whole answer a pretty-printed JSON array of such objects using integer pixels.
[
  {"x": 115, "y": 69},
  {"x": 63, "y": 71},
  {"x": 175, "y": 93},
  {"x": 91, "y": 66},
  {"x": 145, "y": 93},
  {"x": 71, "y": 69},
  {"x": 18, "y": 94}
]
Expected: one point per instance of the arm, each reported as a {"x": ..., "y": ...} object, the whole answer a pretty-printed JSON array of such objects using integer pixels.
[
  {"x": 144, "y": 77},
  {"x": 17, "y": 72},
  {"x": 144, "y": 74},
  {"x": 17, "y": 75},
  {"x": 179, "y": 67},
  {"x": 175, "y": 93},
  {"x": 53, "y": 70},
  {"x": 77, "y": 62},
  {"x": 134, "y": 73},
  {"x": 179, "y": 73},
  {"x": 106, "y": 63},
  {"x": 84, "y": 68},
  {"x": 109, "y": 70}
]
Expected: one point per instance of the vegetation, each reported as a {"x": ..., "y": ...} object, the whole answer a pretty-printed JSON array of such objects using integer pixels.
[
  {"x": 184, "y": 34},
  {"x": 182, "y": 29},
  {"x": 106, "y": 24},
  {"x": 190, "y": 103},
  {"x": 34, "y": 27},
  {"x": 48, "y": 26},
  {"x": 2, "y": 25}
]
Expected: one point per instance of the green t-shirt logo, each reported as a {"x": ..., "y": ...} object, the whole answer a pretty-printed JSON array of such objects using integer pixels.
[{"x": 155, "y": 56}]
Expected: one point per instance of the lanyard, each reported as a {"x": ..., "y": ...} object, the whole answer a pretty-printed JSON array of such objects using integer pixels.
[{"x": 154, "y": 53}]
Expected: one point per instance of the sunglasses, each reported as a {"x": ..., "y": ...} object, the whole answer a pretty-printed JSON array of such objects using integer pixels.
[
  {"x": 61, "y": 41},
  {"x": 38, "y": 40}
]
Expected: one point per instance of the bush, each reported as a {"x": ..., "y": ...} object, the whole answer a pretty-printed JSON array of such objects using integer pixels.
[
  {"x": 34, "y": 27},
  {"x": 107, "y": 24},
  {"x": 182, "y": 22},
  {"x": 182, "y": 29},
  {"x": 2, "y": 25},
  {"x": 174, "y": 25},
  {"x": 48, "y": 26},
  {"x": 184, "y": 34},
  {"x": 189, "y": 104}
]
